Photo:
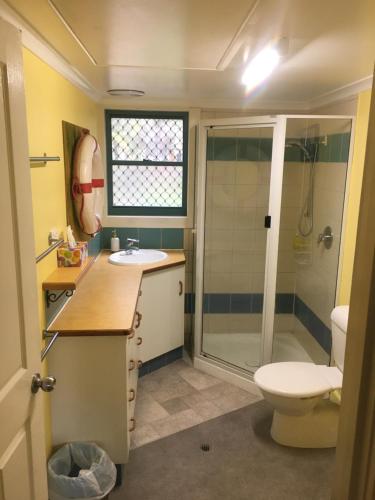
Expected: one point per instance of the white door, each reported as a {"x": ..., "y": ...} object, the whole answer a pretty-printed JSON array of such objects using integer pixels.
[{"x": 22, "y": 448}]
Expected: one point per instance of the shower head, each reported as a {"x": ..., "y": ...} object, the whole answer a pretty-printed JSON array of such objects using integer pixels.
[{"x": 299, "y": 145}]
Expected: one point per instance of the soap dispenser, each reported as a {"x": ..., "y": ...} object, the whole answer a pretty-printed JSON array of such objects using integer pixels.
[{"x": 115, "y": 242}]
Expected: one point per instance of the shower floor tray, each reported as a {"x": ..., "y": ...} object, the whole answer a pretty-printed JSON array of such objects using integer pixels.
[{"x": 243, "y": 349}]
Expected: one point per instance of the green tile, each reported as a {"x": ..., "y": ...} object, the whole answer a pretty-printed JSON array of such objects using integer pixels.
[
  {"x": 335, "y": 142},
  {"x": 265, "y": 149},
  {"x": 150, "y": 238},
  {"x": 95, "y": 244},
  {"x": 225, "y": 148},
  {"x": 122, "y": 233},
  {"x": 344, "y": 155},
  {"x": 210, "y": 149},
  {"x": 323, "y": 152},
  {"x": 172, "y": 238},
  {"x": 248, "y": 149},
  {"x": 293, "y": 153},
  {"x": 106, "y": 237},
  {"x": 127, "y": 232}
]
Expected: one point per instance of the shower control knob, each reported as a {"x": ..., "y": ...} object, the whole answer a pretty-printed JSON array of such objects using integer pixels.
[
  {"x": 326, "y": 237},
  {"x": 47, "y": 384}
]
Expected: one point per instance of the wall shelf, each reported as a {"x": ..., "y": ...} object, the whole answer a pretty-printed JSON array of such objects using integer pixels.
[{"x": 66, "y": 278}]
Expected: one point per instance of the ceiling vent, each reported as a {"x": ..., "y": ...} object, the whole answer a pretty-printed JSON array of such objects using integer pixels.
[{"x": 126, "y": 92}]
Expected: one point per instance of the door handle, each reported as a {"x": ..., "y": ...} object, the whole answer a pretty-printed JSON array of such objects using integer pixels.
[
  {"x": 47, "y": 384},
  {"x": 181, "y": 286},
  {"x": 131, "y": 395},
  {"x": 139, "y": 319}
]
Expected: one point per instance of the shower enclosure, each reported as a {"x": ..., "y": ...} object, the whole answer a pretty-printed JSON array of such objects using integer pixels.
[{"x": 271, "y": 196}]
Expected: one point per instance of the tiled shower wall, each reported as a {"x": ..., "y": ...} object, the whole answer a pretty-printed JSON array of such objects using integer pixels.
[
  {"x": 237, "y": 199},
  {"x": 238, "y": 173},
  {"x": 316, "y": 276},
  {"x": 314, "y": 268}
]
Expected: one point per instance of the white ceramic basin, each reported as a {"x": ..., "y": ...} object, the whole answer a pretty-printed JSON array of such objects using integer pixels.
[{"x": 137, "y": 257}]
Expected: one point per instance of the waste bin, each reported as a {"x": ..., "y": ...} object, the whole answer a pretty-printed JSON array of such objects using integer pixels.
[{"x": 80, "y": 470}]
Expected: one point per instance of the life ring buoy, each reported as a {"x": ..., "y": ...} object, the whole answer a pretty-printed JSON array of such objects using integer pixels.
[{"x": 88, "y": 184}]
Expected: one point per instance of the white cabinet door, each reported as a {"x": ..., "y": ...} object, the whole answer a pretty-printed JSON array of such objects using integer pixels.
[{"x": 162, "y": 306}]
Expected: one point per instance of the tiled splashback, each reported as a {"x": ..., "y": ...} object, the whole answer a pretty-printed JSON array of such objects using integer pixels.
[
  {"x": 332, "y": 148},
  {"x": 169, "y": 239},
  {"x": 95, "y": 245}
]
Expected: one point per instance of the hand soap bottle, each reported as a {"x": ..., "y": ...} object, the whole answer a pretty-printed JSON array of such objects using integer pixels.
[{"x": 115, "y": 242}]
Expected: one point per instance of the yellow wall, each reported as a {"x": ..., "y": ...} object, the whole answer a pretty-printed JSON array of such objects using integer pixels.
[
  {"x": 350, "y": 235},
  {"x": 50, "y": 98}
]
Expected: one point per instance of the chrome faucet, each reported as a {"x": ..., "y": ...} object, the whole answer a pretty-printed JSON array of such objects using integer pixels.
[{"x": 131, "y": 245}]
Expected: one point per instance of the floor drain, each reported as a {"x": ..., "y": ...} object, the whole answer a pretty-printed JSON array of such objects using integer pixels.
[{"x": 205, "y": 447}]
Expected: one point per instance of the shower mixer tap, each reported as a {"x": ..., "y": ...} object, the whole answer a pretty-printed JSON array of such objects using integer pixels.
[{"x": 326, "y": 237}]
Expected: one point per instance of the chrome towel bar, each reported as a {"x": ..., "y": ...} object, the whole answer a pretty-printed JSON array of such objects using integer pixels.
[
  {"x": 56, "y": 244},
  {"x": 53, "y": 337},
  {"x": 43, "y": 159}
]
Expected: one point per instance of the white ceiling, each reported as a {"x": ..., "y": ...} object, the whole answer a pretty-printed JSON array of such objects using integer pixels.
[{"x": 194, "y": 51}]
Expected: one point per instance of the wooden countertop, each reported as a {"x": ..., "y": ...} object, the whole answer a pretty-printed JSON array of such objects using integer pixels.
[
  {"x": 105, "y": 300},
  {"x": 67, "y": 278}
]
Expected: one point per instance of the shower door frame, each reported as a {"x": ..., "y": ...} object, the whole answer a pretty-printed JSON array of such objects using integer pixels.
[{"x": 278, "y": 124}]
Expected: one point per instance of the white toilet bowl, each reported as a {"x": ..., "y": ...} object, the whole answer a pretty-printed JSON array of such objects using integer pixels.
[{"x": 303, "y": 415}]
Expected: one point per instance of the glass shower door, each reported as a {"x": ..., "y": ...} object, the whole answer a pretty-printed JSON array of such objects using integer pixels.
[
  {"x": 312, "y": 206},
  {"x": 237, "y": 192}
]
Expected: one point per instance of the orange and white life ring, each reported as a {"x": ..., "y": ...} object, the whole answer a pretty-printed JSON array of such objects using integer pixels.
[{"x": 88, "y": 184}]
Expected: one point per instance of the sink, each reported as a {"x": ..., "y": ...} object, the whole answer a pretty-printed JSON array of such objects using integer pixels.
[{"x": 137, "y": 257}]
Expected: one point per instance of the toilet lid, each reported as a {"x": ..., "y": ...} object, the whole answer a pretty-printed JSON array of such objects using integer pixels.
[{"x": 295, "y": 379}]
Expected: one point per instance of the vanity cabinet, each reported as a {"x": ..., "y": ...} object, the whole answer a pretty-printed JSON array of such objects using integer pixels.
[
  {"x": 162, "y": 304},
  {"x": 97, "y": 388},
  {"x": 116, "y": 318}
]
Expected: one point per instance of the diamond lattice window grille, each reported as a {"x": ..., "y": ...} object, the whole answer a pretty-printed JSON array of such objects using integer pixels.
[
  {"x": 147, "y": 185},
  {"x": 147, "y": 162},
  {"x": 147, "y": 139}
]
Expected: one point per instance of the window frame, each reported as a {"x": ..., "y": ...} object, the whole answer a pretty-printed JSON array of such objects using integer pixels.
[{"x": 147, "y": 211}]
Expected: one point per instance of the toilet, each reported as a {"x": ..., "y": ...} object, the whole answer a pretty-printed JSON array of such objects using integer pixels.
[{"x": 306, "y": 408}]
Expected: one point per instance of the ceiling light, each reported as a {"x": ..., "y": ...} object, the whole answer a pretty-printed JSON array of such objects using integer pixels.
[
  {"x": 260, "y": 67},
  {"x": 126, "y": 92}
]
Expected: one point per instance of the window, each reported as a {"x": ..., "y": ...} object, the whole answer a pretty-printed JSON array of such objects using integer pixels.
[{"x": 147, "y": 162}]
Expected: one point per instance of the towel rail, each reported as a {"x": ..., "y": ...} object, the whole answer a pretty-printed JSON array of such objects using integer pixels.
[
  {"x": 49, "y": 249},
  {"x": 53, "y": 337},
  {"x": 43, "y": 159}
]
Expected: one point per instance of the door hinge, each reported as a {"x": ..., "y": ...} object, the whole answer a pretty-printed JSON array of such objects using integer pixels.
[{"x": 267, "y": 221}]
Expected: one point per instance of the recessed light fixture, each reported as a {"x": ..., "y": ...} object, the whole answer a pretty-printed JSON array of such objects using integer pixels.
[
  {"x": 260, "y": 67},
  {"x": 126, "y": 92}
]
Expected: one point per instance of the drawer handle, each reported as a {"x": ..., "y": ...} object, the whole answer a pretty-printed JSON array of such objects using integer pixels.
[
  {"x": 131, "y": 334},
  {"x": 140, "y": 364},
  {"x": 131, "y": 365},
  {"x": 131, "y": 395},
  {"x": 139, "y": 319},
  {"x": 181, "y": 285},
  {"x": 132, "y": 428},
  {"x": 139, "y": 340}
]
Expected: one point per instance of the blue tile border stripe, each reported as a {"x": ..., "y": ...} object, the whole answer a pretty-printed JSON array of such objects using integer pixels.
[
  {"x": 239, "y": 303},
  {"x": 320, "y": 332},
  {"x": 252, "y": 303},
  {"x": 335, "y": 149},
  {"x": 160, "y": 361}
]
